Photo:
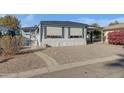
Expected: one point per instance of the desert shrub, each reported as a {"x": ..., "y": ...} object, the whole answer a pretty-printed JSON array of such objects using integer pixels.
[
  {"x": 9, "y": 44},
  {"x": 20, "y": 41},
  {"x": 116, "y": 38}
]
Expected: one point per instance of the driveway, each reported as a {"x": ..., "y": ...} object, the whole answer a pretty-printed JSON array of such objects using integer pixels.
[{"x": 70, "y": 54}]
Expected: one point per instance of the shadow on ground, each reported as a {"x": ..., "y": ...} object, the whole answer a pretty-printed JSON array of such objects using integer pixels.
[
  {"x": 118, "y": 62},
  {"x": 27, "y": 51},
  {"x": 5, "y": 60}
]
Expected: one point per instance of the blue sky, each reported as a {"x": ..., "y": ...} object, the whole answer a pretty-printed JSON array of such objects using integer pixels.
[{"x": 101, "y": 19}]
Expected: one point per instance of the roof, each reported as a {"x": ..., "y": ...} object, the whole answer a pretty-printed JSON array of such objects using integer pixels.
[
  {"x": 5, "y": 30},
  {"x": 63, "y": 24},
  {"x": 92, "y": 27},
  {"x": 28, "y": 29},
  {"x": 112, "y": 27},
  {"x": 3, "y": 27}
]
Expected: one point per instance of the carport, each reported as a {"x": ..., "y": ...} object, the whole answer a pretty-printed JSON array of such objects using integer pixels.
[{"x": 93, "y": 35}]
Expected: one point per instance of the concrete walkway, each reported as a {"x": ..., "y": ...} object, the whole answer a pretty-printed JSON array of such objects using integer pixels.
[
  {"x": 58, "y": 67},
  {"x": 49, "y": 60}
]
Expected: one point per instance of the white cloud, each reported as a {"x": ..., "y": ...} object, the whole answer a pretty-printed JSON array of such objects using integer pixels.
[
  {"x": 86, "y": 20},
  {"x": 101, "y": 22},
  {"x": 29, "y": 19}
]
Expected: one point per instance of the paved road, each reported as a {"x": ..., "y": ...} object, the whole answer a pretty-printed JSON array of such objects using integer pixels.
[{"x": 107, "y": 69}]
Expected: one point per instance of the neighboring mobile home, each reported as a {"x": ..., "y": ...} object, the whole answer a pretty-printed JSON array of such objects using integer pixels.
[
  {"x": 28, "y": 35},
  {"x": 61, "y": 33},
  {"x": 6, "y": 30},
  {"x": 112, "y": 28}
]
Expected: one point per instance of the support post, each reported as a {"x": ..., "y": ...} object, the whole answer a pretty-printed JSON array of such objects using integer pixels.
[
  {"x": 85, "y": 35},
  {"x": 102, "y": 37},
  {"x": 40, "y": 35}
]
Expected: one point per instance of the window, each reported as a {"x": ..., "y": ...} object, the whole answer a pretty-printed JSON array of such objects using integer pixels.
[
  {"x": 76, "y": 33},
  {"x": 54, "y": 32}
]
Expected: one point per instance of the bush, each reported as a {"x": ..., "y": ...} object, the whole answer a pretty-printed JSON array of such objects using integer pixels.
[
  {"x": 116, "y": 38},
  {"x": 10, "y": 44},
  {"x": 20, "y": 41}
]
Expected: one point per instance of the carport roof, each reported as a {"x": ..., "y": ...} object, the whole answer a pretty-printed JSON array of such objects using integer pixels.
[
  {"x": 63, "y": 24},
  {"x": 28, "y": 29},
  {"x": 5, "y": 28}
]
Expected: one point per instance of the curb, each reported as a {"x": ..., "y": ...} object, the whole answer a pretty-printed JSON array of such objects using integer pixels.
[
  {"x": 44, "y": 70},
  {"x": 26, "y": 74},
  {"x": 84, "y": 63}
]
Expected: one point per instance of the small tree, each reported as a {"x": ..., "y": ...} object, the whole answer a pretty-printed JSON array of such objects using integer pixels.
[
  {"x": 113, "y": 23},
  {"x": 97, "y": 30},
  {"x": 10, "y": 21},
  {"x": 11, "y": 41},
  {"x": 95, "y": 25}
]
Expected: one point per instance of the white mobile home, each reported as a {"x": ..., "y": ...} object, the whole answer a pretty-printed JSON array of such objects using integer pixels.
[{"x": 61, "y": 33}]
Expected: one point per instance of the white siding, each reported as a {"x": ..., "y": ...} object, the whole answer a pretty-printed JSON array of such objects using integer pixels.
[
  {"x": 76, "y": 31},
  {"x": 54, "y": 31},
  {"x": 66, "y": 41}
]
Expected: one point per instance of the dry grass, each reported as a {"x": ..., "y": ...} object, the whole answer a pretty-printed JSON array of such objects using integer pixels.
[{"x": 10, "y": 44}]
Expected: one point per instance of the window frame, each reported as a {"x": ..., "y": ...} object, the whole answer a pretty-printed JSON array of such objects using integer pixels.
[
  {"x": 75, "y": 36},
  {"x": 54, "y": 36}
]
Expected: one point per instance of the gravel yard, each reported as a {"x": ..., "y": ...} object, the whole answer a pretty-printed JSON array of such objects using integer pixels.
[
  {"x": 19, "y": 63},
  {"x": 82, "y": 53}
]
